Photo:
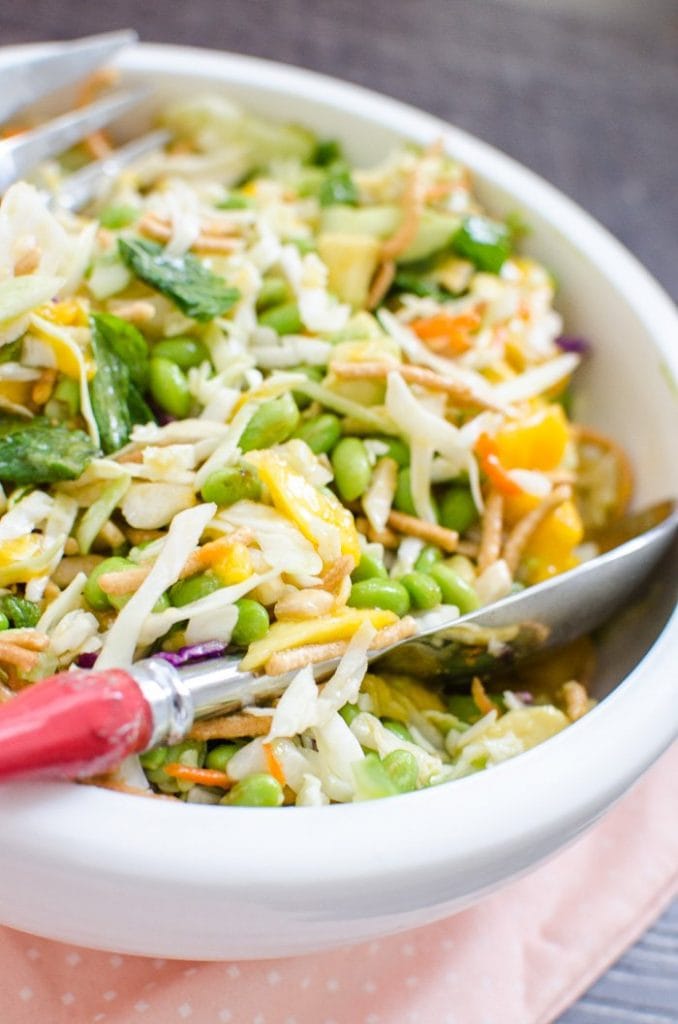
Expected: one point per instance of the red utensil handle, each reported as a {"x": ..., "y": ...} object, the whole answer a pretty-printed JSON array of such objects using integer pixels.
[{"x": 74, "y": 725}]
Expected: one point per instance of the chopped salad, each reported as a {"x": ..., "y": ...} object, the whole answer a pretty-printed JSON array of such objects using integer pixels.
[{"x": 259, "y": 399}]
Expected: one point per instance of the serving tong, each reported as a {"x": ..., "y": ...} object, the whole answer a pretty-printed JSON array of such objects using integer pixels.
[
  {"x": 32, "y": 77},
  {"x": 82, "y": 723}
]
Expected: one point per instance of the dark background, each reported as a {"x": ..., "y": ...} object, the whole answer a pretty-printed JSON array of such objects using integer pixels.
[{"x": 583, "y": 91}]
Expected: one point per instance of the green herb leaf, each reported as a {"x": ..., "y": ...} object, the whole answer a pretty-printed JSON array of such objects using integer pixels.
[
  {"x": 22, "y": 614},
  {"x": 197, "y": 292},
  {"x": 484, "y": 242},
  {"x": 327, "y": 151},
  {"x": 39, "y": 452},
  {"x": 121, "y": 357}
]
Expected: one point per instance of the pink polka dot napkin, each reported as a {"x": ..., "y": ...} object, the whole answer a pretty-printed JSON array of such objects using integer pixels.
[{"x": 519, "y": 957}]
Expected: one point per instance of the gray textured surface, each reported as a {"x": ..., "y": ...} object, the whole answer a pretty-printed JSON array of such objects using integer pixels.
[{"x": 590, "y": 102}]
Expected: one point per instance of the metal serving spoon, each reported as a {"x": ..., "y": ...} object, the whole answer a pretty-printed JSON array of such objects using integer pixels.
[{"x": 81, "y": 723}]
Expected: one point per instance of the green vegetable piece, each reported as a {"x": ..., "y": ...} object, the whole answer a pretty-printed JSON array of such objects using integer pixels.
[
  {"x": 397, "y": 450},
  {"x": 169, "y": 387},
  {"x": 421, "y": 286},
  {"x": 321, "y": 433},
  {"x": 352, "y": 469},
  {"x": 338, "y": 187},
  {"x": 234, "y": 202},
  {"x": 11, "y": 352},
  {"x": 192, "y": 589},
  {"x": 258, "y": 790},
  {"x": 4, "y": 621},
  {"x": 349, "y": 712},
  {"x": 219, "y": 757},
  {"x": 39, "y": 452},
  {"x": 121, "y": 357},
  {"x": 484, "y": 242},
  {"x": 403, "y": 495},
  {"x": 327, "y": 152},
  {"x": 380, "y": 593},
  {"x": 314, "y": 373},
  {"x": 458, "y": 509},
  {"x": 283, "y": 318},
  {"x": 116, "y": 217},
  {"x": 92, "y": 592},
  {"x": 252, "y": 624},
  {"x": 372, "y": 779},
  {"x": 398, "y": 729},
  {"x": 272, "y": 423},
  {"x": 199, "y": 293},
  {"x": 427, "y": 558},
  {"x": 368, "y": 568},
  {"x": 454, "y": 589},
  {"x": 185, "y": 352},
  {"x": 401, "y": 767},
  {"x": 273, "y": 292},
  {"x": 230, "y": 484},
  {"x": 424, "y": 592},
  {"x": 464, "y": 708},
  {"x": 190, "y": 753},
  {"x": 67, "y": 391},
  {"x": 151, "y": 760},
  {"x": 19, "y": 611}
]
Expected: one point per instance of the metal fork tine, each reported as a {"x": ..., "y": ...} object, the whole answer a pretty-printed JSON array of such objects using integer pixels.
[
  {"x": 20, "y": 154},
  {"x": 85, "y": 185},
  {"x": 34, "y": 77}
]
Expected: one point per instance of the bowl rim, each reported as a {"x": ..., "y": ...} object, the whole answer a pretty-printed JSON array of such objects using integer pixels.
[{"x": 44, "y": 821}]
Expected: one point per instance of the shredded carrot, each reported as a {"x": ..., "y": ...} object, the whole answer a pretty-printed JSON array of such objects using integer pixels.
[
  {"x": 447, "y": 333},
  {"x": 480, "y": 698},
  {"x": 199, "y": 776},
  {"x": 273, "y": 764},
  {"x": 486, "y": 450}
]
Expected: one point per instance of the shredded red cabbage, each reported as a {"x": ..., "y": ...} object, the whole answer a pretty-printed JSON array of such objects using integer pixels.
[
  {"x": 571, "y": 344},
  {"x": 194, "y": 652},
  {"x": 86, "y": 659}
]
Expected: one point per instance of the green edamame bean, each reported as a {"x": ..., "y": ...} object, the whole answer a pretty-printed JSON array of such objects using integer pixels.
[
  {"x": 169, "y": 387},
  {"x": 234, "y": 202},
  {"x": 403, "y": 500},
  {"x": 397, "y": 450},
  {"x": 403, "y": 495},
  {"x": 423, "y": 590},
  {"x": 397, "y": 728},
  {"x": 458, "y": 509},
  {"x": 378, "y": 593},
  {"x": 352, "y": 469},
  {"x": 252, "y": 624},
  {"x": 230, "y": 484},
  {"x": 283, "y": 318},
  {"x": 258, "y": 790},
  {"x": 186, "y": 591},
  {"x": 368, "y": 568},
  {"x": 428, "y": 557},
  {"x": 4, "y": 621},
  {"x": 151, "y": 760},
  {"x": 92, "y": 592},
  {"x": 372, "y": 779},
  {"x": 321, "y": 433},
  {"x": 219, "y": 757},
  {"x": 185, "y": 352},
  {"x": 118, "y": 216},
  {"x": 401, "y": 767},
  {"x": 349, "y": 712},
  {"x": 272, "y": 423},
  {"x": 273, "y": 292},
  {"x": 454, "y": 589}
]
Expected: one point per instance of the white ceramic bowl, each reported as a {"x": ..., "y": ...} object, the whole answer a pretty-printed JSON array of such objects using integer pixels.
[{"x": 152, "y": 877}]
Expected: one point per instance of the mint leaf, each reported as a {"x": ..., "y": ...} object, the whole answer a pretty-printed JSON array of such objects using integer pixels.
[
  {"x": 197, "y": 292},
  {"x": 40, "y": 452},
  {"x": 121, "y": 357}
]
